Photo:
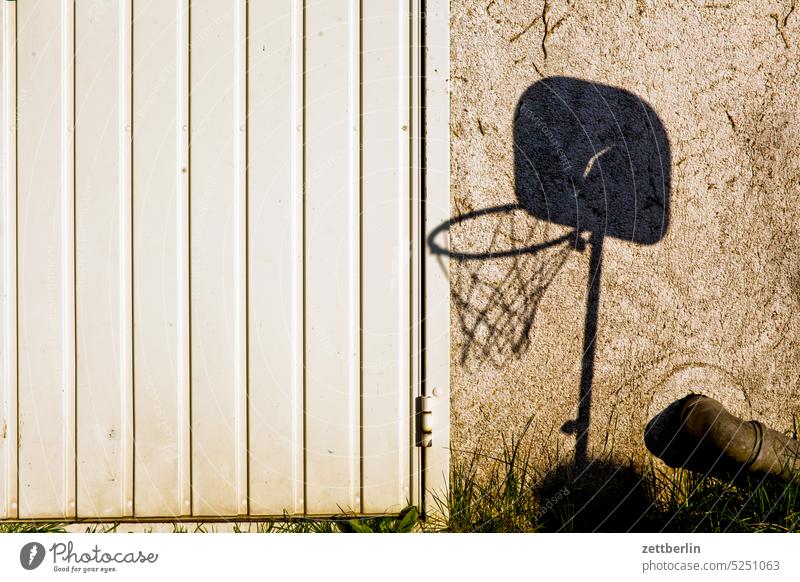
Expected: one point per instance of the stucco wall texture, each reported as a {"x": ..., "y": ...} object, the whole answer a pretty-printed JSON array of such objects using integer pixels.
[{"x": 711, "y": 307}]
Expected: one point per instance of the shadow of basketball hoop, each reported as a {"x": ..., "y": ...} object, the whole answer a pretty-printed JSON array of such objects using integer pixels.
[{"x": 596, "y": 160}]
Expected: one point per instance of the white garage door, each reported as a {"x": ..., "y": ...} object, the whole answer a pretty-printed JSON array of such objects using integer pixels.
[{"x": 216, "y": 299}]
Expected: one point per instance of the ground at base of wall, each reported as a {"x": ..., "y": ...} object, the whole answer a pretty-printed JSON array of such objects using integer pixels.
[{"x": 510, "y": 496}]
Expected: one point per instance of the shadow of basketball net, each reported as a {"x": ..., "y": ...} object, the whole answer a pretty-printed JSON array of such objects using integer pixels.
[{"x": 591, "y": 161}]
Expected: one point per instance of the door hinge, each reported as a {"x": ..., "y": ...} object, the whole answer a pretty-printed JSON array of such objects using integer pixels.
[{"x": 424, "y": 418}]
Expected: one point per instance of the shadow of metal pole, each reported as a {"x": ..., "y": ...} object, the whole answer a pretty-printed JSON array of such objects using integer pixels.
[{"x": 583, "y": 421}]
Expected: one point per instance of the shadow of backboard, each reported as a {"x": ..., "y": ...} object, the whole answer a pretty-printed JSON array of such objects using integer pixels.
[{"x": 594, "y": 158}]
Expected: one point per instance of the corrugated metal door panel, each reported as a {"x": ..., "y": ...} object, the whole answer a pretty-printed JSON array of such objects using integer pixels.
[
  {"x": 103, "y": 259},
  {"x": 46, "y": 251},
  {"x": 332, "y": 256},
  {"x": 161, "y": 257},
  {"x": 275, "y": 231},
  {"x": 385, "y": 221},
  {"x": 252, "y": 301},
  {"x": 217, "y": 264},
  {"x": 8, "y": 265}
]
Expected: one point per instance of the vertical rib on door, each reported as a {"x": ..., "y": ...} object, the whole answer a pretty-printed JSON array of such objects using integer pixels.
[
  {"x": 210, "y": 282},
  {"x": 45, "y": 217},
  {"x": 275, "y": 230},
  {"x": 8, "y": 263},
  {"x": 385, "y": 218},
  {"x": 161, "y": 257},
  {"x": 218, "y": 261},
  {"x": 332, "y": 257},
  {"x": 103, "y": 259}
]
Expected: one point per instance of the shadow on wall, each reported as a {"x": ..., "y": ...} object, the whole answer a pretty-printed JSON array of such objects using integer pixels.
[{"x": 590, "y": 161}]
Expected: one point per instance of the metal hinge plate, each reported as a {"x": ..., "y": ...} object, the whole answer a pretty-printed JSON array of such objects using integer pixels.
[{"x": 424, "y": 421}]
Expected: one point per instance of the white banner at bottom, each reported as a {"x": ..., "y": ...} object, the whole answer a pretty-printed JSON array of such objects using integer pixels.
[{"x": 568, "y": 557}]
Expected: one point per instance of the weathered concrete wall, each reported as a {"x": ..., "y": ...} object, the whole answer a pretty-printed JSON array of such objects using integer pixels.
[{"x": 713, "y": 305}]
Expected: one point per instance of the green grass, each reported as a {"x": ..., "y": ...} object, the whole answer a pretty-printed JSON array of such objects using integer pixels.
[
  {"x": 505, "y": 493},
  {"x": 509, "y": 492},
  {"x": 693, "y": 502},
  {"x": 492, "y": 493},
  {"x": 32, "y": 527},
  {"x": 406, "y": 521}
]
